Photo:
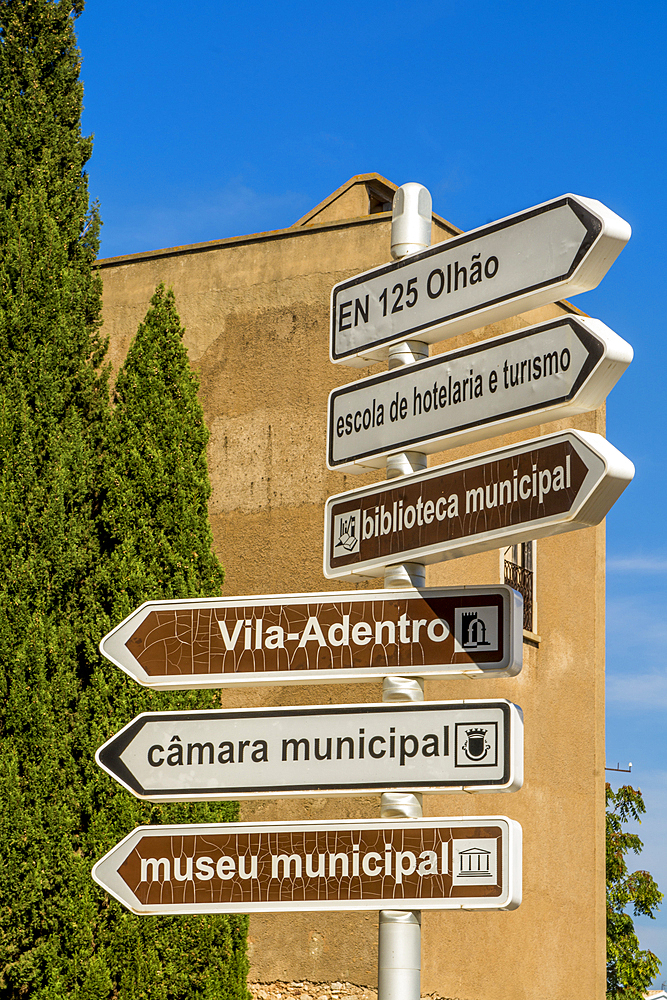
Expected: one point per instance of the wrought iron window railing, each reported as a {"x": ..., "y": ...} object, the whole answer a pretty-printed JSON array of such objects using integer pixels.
[{"x": 521, "y": 579}]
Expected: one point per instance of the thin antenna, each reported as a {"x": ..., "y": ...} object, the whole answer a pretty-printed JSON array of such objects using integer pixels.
[{"x": 625, "y": 770}]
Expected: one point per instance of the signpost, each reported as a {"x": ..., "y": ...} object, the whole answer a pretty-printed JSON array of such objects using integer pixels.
[
  {"x": 555, "y": 249},
  {"x": 545, "y": 372},
  {"x": 545, "y": 486},
  {"x": 320, "y": 750},
  {"x": 540, "y": 487},
  {"x": 461, "y": 863},
  {"x": 319, "y": 638}
]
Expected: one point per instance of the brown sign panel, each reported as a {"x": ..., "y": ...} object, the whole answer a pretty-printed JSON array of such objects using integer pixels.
[
  {"x": 541, "y": 487},
  {"x": 319, "y": 638},
  {"x": 468, "y": 862}
]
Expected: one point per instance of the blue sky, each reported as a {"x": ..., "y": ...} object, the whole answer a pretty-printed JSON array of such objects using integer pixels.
[{"x": 215, "y": 119}]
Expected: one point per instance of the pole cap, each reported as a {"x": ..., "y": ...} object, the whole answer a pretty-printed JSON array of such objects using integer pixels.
[{"x": 411, "y": 220}]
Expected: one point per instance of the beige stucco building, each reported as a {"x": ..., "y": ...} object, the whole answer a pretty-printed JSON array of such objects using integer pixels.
[{"x": 256, "y": 309}]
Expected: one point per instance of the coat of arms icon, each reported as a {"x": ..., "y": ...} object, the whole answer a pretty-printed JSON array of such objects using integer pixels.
[{"x": 476, "y": 747}]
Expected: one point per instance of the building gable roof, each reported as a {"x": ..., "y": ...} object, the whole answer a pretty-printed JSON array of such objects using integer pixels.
[{"x": 363, "y": 194}]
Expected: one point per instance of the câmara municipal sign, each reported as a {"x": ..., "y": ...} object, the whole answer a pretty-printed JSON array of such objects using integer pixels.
[{"x": 319, "y": 750}]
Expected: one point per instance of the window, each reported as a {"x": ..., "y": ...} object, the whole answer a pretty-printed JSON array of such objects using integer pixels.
[
  {"x": 379, "y": 200},
  {"x": 519, "y": 569}
]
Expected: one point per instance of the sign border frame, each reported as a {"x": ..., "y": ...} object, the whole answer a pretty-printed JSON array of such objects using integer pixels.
[
  {"x": 601, "y": 224},
  {"x": 512, "y": 779},
  {"x": 591, "y": 508},
  {"x": 112, "y": 644},
  {"x": 509, "y": 900},
  {"x": 613, "y": 352}
]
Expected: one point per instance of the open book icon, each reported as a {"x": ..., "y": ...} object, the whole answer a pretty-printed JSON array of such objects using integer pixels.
[{"x": 346, "y": 536}]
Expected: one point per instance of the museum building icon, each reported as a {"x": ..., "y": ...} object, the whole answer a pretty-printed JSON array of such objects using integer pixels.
[{"x": 474, "y": 863}]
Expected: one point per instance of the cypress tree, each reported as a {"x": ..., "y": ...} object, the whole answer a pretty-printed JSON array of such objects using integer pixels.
[
  {"x": 53, "y": 414},
  {"x": 159, "y": 546},
  {"x": 64, "y": 544},
  {"x": 156, "y": 506}
]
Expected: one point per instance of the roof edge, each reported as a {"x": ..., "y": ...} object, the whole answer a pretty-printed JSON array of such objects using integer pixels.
[
  {"x": 270, "y": 234},
  {"x": 335, "y": 195},
  {"x": 364, "y": 179}
]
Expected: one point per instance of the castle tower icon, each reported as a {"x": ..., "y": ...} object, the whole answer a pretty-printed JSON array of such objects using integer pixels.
[{"x": 473, "y": 631}]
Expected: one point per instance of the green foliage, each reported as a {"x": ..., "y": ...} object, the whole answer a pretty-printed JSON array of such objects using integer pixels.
[
  {"x": 100, "y": 509},
  {"x": 158, "y": 542},
  {"x": 157, "y": 493},
  {"x": 53, "y": 414},
  {"x": 629, "y": 969}
]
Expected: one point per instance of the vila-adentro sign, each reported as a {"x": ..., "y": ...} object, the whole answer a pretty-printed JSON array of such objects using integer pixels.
[
  {"x": 320, "y": 638},
  {"x": 545, "y": 372},
  {"x": 319, "y": 750},
  {"x": 545, "y": 486},
  {"x": 467, "y": 862},
  {"x": 555, "y": 249}
]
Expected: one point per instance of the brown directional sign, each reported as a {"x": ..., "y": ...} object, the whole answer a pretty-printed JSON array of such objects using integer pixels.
[
  {"x": 540, "y": 487},
  {"x": 467, "y": 862},
  {"x": 320, "y": 638}
]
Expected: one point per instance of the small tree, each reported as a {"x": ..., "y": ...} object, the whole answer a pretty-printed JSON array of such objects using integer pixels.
[
  {"x": 156, "y": 508},
  {"x": 157, "y": 544},
  {"x": 629, "y": 969}
]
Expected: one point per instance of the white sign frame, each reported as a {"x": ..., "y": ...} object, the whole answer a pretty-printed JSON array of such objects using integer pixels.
[
  {"x": 508, "y": 663},
  {"x": 553, "y": 250},
  {"x": 105, "y": 872},
  {"x": 433, "y": 747},
  {"x": 609, "y": 472},
  {"x": 401, "y": 407}
]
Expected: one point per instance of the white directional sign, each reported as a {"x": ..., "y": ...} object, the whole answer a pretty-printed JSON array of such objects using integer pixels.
[
  {"x": 540, "y": 487},
  {"x": 553, "y": 250},
  {"x": 541, "y": 373},
  {"x": 319, "y": 638},
  {"x": 470, "y": 862},
  {"x": 319, "y": 750}
]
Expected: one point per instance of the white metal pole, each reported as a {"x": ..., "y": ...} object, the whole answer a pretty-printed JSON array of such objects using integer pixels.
[
  {"x": 399, "y": 963},
  {"x": 399, "y": 931}
]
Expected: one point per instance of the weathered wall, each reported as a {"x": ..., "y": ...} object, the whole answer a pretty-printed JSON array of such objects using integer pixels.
[{"x": 256, "y": 315}]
